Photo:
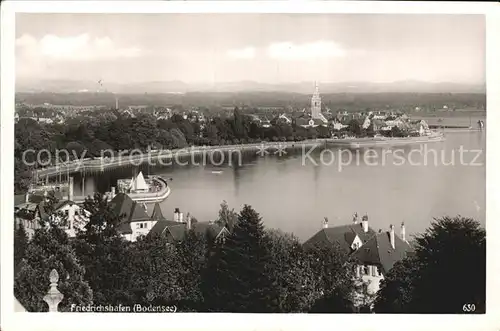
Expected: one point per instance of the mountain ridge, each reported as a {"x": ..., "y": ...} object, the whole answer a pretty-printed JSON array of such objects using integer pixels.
[{"x": 176, "y": 86}]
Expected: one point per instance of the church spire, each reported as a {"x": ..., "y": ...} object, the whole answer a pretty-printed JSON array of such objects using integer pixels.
[{"x": 316, "y": 103}]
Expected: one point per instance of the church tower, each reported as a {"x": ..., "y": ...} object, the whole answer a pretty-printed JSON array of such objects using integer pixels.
[{"x": 316, "y": 104}]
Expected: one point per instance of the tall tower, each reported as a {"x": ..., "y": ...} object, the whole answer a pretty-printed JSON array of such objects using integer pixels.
[
  {"x": 316, "y": 104},
  {"x": 116, "y": 103}
]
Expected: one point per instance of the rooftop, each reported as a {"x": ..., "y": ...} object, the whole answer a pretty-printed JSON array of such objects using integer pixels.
[
  {"x": 343, "y": 235},
  {"x": 378, "y": 251}
]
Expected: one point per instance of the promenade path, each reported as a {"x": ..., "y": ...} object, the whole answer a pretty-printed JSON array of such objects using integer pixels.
[{"x": 102, "y": 163}]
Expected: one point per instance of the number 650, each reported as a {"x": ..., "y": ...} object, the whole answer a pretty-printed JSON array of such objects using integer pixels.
[{"x": 469, "y": 307}]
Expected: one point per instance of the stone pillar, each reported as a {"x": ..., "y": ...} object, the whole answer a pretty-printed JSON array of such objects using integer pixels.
[{"x": 53, "y": 297}]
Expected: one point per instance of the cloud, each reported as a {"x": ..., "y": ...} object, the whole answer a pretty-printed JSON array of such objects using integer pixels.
[
  {"x": 314, "y": 50},
  {"x": 74, "y": 48},
  {"x": 243, "y": 53}
]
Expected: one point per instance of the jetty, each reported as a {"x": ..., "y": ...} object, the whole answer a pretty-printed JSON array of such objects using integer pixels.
[
  {"x": 101, "y": 164},
  {"x": 382, "y": 141},
  {"x": 159, "y": 192}
]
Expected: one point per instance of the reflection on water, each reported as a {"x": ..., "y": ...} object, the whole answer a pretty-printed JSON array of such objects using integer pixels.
[{"x": 294, "y": 195}]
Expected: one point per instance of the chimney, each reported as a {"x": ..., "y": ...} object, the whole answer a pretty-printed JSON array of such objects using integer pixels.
[
  {"x": 27, "y": 197},
  {"x": 364, "y": 222},
  {"x": 70, "y": 189},
  {"x": 188, "y": 221},
  {"x": 403, "y": 231},
  {"x": 176, "y": 214},
  {"x": 392, "y": 237},
  {"x": 355, "y": 218},
  {"x": 325, "y": 223}
]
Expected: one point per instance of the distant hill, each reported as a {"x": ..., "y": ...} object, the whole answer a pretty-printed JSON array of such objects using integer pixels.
[
  {"x": 409, "y": 86},
  {"x": 334, "y": 101}
]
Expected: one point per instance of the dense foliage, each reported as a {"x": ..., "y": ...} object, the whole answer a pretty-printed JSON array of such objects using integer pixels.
[
  {"x": 253, "y": 270},
  {"x": 50, "y": 249},
  {"x": 447, "y": 271},
  {"x": 89, "y": 136}
]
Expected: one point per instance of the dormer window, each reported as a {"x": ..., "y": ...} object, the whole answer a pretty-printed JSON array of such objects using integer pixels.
[{"x": 365, "y": 270}]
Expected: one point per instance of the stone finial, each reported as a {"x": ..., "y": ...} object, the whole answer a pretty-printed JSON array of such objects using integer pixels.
[{"x": 53, "y": 297}]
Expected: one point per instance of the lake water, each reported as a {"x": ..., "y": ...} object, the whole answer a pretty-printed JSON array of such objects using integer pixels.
[{"x": 294, "y": 193}]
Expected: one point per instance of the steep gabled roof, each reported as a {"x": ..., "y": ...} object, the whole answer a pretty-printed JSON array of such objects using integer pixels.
[
  {"x": 378, "y": 251},
  {"x": 177, "y": 231},
  {"x": 131, "y": 211},
  {"x": 343, "y": 235},
  {"x": 161, "y": 226},
  {"x": 138, "y": 213},
  {"x": 157, "y": 213},
  {"x": 122, "y": 205},
  {"x": 212, "y": 230}
]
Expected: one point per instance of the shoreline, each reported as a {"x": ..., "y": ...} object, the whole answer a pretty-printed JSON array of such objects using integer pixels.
[{"x": 99, "y": 164}]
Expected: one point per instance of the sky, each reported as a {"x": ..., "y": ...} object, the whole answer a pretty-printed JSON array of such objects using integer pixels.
[{"x": 266, "y": 48}]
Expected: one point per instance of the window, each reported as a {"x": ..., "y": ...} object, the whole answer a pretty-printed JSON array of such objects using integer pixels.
[
  {"x": 366, "y": 270},
  {"x": 66, "y": 213},
  {"x": 77, "y": 212}
]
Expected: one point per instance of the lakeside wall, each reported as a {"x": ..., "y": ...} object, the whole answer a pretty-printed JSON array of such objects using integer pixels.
[{"x": 101, "y": 164}]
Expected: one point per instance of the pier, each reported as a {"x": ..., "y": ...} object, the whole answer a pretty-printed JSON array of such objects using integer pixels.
[
  {"x": 102, "y": 164},
  {"x": 142, "y": 197}
]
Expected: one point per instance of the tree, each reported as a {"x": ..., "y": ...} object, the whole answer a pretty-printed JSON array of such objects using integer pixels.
[
  {"x": 50, "y": 249},
  {"x": 238, "y": 124},
  {"x": 294, "y": 285},
  {"x": 450, "y": 253},
  {"x": 154, "y": 272},
  {"x": 20, "y": 244},
  {"x": 76, "y": 149},
  {"x": 236, "y": 280},
  {"x": 355, "y": 127},
  {"x": 370, "y": 130},
  {"x": 227, "y": 217},
  {"x": 335, "y": 279},
  {"x": 191, "y": 254},
  {"x": 104, "y": 253},
  {"x": 396, "y": 288},
  {"x": 178, "y": 139}
]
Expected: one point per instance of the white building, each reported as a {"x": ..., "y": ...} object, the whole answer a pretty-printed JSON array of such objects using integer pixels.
[{"x": 375, "y": 253}]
